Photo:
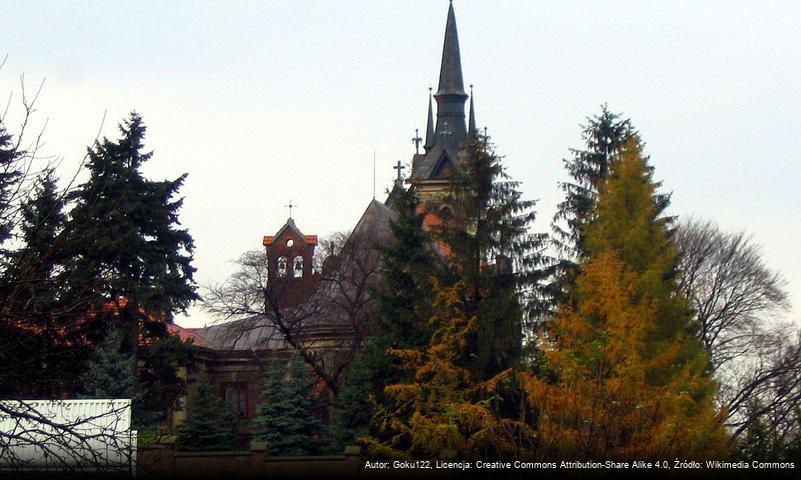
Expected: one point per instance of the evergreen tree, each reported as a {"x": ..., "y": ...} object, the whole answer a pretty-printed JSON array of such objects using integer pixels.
[
  {"x": 441, "y": 410},
  {"x": 404, "y": 300},
  {"x": 158, "y": 381},
  {"x": 110, "y": 372},
  {"x": 43, "y": 219},
  {"x": 604, "y": 136},
  {"x": 210, "y": 425},
  {"x": 124, "y": 242},
  {"x": 403, "y": 305},
  {"x": 352, "y": 412},
  {"x": 490, "y": 249},
  {"x": 628, "y": 377},
  {"x": 287, "y": 417},
  {"x": 10, "y": 177},
  {"x": 32, "y": 294}
]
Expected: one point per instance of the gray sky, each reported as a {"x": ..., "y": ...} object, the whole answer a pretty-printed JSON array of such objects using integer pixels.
[{"x": 266, "y": 101}]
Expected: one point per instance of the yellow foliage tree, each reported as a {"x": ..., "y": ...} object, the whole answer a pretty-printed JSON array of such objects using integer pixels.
[
  {"x": 442, "y": 412},
  {"x": 628, "y": 378}
]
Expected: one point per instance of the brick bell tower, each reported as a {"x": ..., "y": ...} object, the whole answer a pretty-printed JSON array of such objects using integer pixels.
[{"x": 290, "y": 276}]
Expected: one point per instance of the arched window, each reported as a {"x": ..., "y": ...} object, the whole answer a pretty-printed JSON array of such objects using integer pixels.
[
  {"x": 282, "y": 266},
  {"x": 298, "y": 267}
]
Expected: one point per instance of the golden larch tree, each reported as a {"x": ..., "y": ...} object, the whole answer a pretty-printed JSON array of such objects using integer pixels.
[
  {"x": 443, "y": 412},
  {"x": 627, "y": 377}
]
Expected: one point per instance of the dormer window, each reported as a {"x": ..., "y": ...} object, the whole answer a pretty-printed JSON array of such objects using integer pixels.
[
  {"x": 298, "y": 267},
  {"x": 282, "y": 265}
]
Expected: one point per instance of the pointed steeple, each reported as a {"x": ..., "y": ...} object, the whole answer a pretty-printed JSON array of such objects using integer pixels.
[
  {"x": 450, "y": 71},
  {"x": 471, "y": 122},
  {"x": 450, "y": 130},
  {"x": 430, "y": 126}
]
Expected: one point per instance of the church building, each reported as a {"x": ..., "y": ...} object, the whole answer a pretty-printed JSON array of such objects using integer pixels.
[{"x": 321, "y": 311}]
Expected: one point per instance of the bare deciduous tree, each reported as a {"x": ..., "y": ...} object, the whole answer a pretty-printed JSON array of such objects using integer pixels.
[
  {"x": 738, "y": 301},
  {"x": 61, "y": 436},
  {"x": 328, "y": 329}
]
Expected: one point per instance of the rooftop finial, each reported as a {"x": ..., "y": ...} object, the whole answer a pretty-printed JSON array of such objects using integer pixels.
[
  {"x": 416, "y": 140},
  {"x": 290, "y": 206},
  {"x": 430, "y": 125},
  {"x": 471, "y": 122}
]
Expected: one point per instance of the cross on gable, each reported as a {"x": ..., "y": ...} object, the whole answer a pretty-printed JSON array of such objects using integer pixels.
[
  {"x": 399, "y": 167},
  {"x": 291, "y": 206}
]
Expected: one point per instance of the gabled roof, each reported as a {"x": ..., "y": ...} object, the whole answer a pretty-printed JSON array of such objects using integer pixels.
[
  {"x": 289, "y": 226},
  {"x": 374, "y": 223}
]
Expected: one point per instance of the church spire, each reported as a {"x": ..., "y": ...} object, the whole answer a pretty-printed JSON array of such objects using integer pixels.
[
  {"x": 430, "y": 126},
  {"x": 450, "y": 96},
  {"x": 471, "y": 122},
  {"x": 450, "y": 72}
]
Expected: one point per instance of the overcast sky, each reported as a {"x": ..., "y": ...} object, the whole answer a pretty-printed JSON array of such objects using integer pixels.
[{"x": 264, "y": 101}]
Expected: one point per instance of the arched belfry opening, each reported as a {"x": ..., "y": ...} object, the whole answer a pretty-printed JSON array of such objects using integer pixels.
[{"x": 290, "y": 277}]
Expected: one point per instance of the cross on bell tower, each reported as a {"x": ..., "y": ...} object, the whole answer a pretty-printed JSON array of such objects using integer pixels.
[{"x": 290, "y": 206}]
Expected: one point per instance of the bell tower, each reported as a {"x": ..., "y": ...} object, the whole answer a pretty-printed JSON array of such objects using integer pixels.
[{"x": 290, "y": 275}]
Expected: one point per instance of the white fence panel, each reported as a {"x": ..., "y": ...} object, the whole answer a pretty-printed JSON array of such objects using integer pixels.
[{"x": 58, "y": 435}]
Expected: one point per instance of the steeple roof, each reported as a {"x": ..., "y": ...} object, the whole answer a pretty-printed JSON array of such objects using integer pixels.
[
  {"x": 471, "y": 122},
  {"x": 430, "y": 125},
  {"x": 446, "y": 133},
  {"x": 450, "y": 72}
]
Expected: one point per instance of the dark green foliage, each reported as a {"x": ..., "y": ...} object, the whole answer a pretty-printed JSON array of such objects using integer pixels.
[
  {"x": 154, "y": 385},
  {"x": 403, "y": 305},
  {"x": 287, "y": 417},
  {"x": 111, "y": 373},
  {"x": 124, "y": 240},
  {"x": 772, "y": 439},
  {"x": 32, "y": 284},
  {"x": 352, "y": 411},
  {"x": 493, "y": 254},
  {"x": 604, "y": 136},
  {"x": 405, "y": 298},
  {"x": 10, "y": 178},
  {"x": 159, "y": 384},
  {"x": 43, "y": 219},
  {"x": 210, "y": 425}
]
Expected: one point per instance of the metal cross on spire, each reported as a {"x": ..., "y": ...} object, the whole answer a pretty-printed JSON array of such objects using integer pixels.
[
  {"x": 399, "y": 167},
  {"x": 290, "y": 206},
  {"x": 416, "y": 140}
]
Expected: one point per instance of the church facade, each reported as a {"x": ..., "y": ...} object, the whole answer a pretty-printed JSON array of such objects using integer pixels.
[{"x": 322, "y": 312}]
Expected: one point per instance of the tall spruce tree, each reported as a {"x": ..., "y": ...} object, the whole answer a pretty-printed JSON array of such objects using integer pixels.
[
  {"x": 36, "y": 262},
  {"x": 10, "y": 177},
  {"x": 287, "y": 417},
  {"x": 125, "y": 246},
  {"x": 33, "y": 294},
  {"x": 628, "y": 376},
  {"x": 490, "y": 249},
  {"x": 210, "y": 424},
  {"x": 603, "y": 136},
  {"x": 403, "y": 305}
]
